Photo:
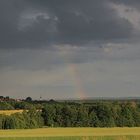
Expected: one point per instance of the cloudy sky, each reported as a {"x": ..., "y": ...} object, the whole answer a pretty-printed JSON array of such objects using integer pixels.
[{"x": 69, "y": 48}]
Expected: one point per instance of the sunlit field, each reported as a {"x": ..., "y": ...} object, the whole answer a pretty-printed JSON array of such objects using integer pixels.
[
  {"x": 72, "y": 134},
  {"x": 78, "y": 138},
  {"x": 9, "y": 112}
]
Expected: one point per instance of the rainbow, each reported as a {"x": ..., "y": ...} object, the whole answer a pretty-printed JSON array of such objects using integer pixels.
[
  {"x": 80, "y": 91},
  {"x": 73, "y": 70}
]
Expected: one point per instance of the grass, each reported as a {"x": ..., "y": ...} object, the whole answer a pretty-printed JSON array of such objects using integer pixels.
[
  {"x": 72, "y": 134},
  {"x": 9, "y": 112},
  {"x": 77, "y": 138}
]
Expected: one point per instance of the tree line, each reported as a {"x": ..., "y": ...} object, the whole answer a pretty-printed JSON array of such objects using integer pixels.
[
  {"x": 68, "y": 114},
  {"x": 97, "y": 115}
]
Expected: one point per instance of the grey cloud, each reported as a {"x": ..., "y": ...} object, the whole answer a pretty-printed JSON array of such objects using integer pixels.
[
  {"x": 69, "y": 22},
  {"x": 44, "y": 59},
  {"x": 132, "y": 3},
  {"x": 86, "y": 20}
]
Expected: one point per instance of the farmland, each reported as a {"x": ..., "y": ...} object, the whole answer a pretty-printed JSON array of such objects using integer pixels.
[
  {"x": 78, "y": 138},
  {"x": 9, "y": 112},
  {"x": 72, "y": 133}
]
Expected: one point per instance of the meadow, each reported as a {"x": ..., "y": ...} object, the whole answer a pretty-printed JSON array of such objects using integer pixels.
[
  {"x": 72, "y": 134},
  {"x": 78, "y": 138}
]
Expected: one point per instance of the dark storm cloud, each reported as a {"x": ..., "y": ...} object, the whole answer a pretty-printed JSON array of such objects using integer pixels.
[
  {"x": 63, "y": 21},
  {"x": 83, "y": 20},
  {"x": 8, "y": 19}
]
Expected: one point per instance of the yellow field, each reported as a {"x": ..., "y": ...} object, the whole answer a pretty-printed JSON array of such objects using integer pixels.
[
  {"x": 9, "y": 112},
  {"x": 55, "y": 132}
]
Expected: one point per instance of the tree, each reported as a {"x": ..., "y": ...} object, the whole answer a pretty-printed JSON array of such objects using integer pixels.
[
  {"x": 5, "y": 106},
  {"x": 82, "y": 116},
  {"x": 49, "y": 114},
  {"x": 94, "y": 121},
  {"x": 2, "y": 117},
  {"x": 126, "y": 116},
  {"x": 105, "y": 115},
  {"x": 28, "y": 99}
]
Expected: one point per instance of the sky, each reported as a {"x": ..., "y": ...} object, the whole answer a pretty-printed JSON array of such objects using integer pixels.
[{"x": 64, "y": 49}]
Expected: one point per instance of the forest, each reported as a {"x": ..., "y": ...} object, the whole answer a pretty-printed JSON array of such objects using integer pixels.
[{"x": 37, "y": 114}]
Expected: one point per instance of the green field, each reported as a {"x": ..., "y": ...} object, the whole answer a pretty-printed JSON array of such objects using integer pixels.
[
  {"x": 79, "y": 138},
  {"x": 72, "y": 134}
]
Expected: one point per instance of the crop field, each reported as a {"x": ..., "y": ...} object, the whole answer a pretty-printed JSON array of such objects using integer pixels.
[
  {"x": 78, "y": 138},
  {"x": 72, "y": 134},
  {"x": 9, "y": 112}
]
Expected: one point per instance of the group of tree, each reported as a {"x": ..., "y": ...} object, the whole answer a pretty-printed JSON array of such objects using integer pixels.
[
  {"x": 71, "y": 114},
  {"x": 97, "y": 115},
  {"x": 25, "y": 120}
]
